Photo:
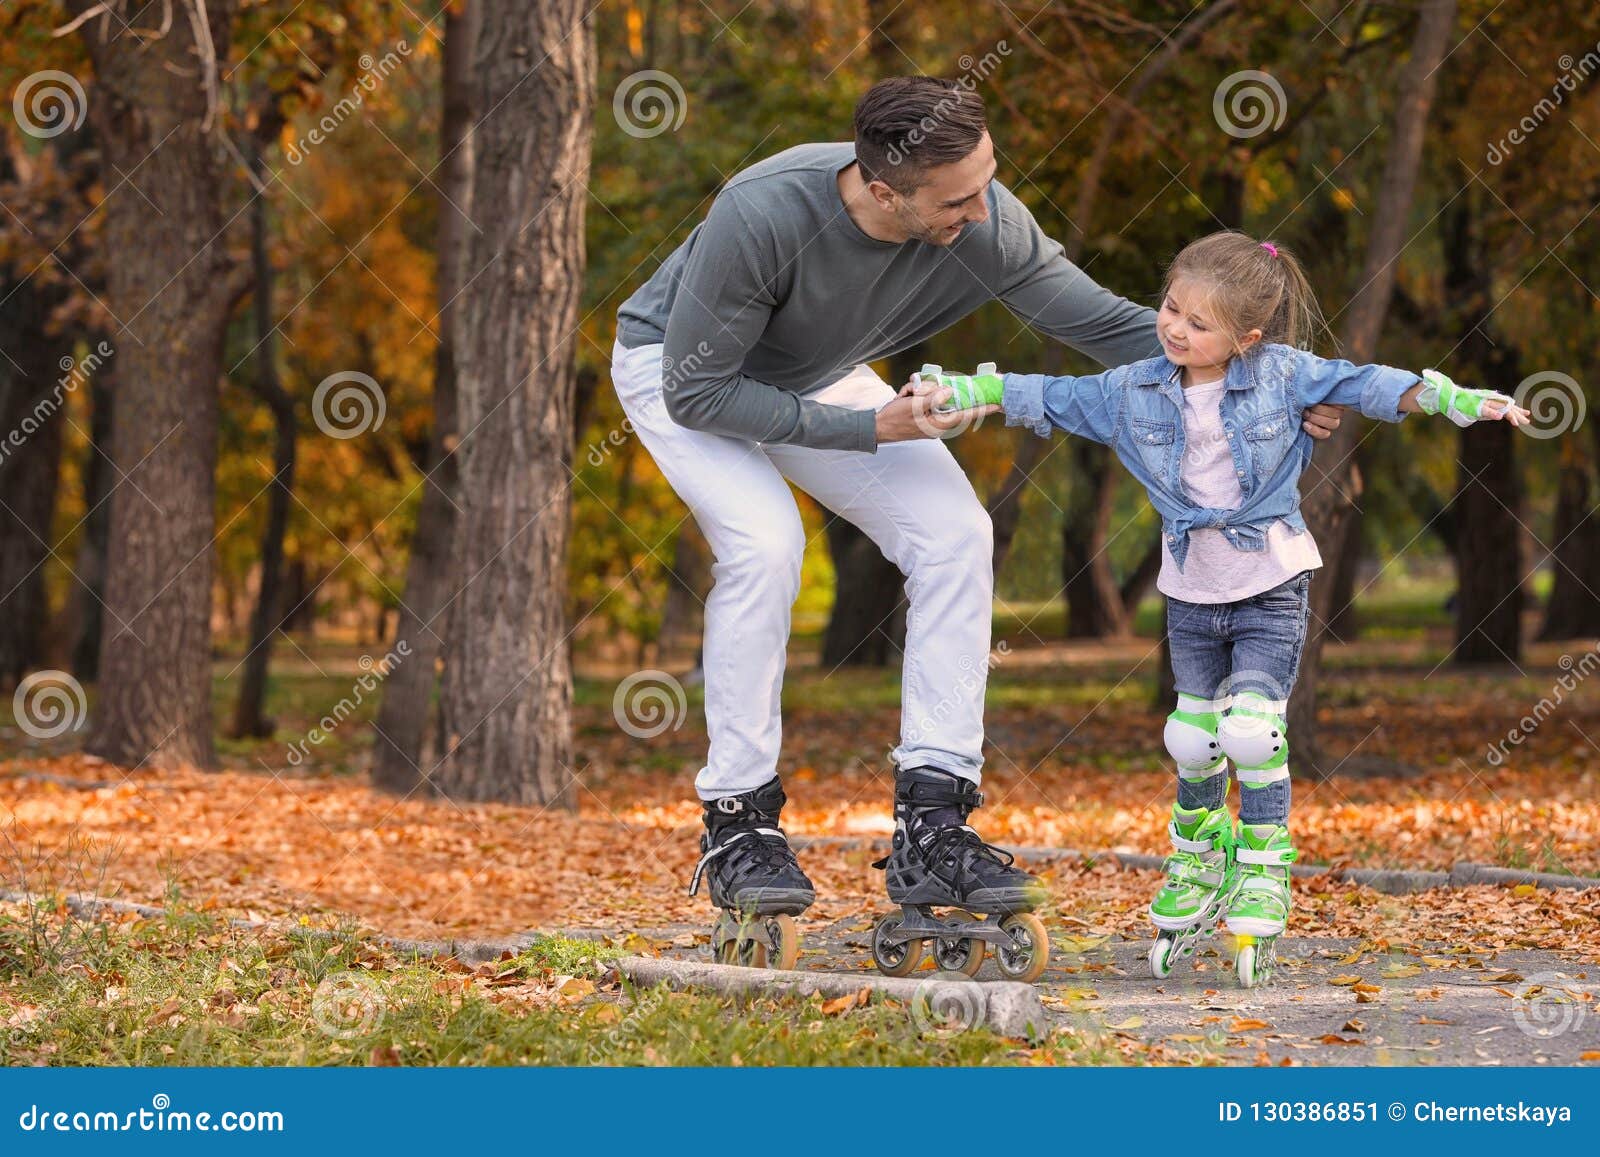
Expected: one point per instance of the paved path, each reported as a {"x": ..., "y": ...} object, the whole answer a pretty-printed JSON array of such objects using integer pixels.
[{"x": 1327, "y": 1004}]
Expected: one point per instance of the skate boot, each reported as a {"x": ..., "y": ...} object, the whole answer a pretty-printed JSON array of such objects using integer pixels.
[
  {"x": 1188, "y": 904},
  {"x": 1258, "y": 901},
  {"x": 755, "y": 879},
  {"x": 938, "y": 861}
]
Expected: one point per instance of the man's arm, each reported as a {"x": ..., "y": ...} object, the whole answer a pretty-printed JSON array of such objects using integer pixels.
[
  {"x": 1057, "y": 298},
  {"x": 721, "y": 309}
]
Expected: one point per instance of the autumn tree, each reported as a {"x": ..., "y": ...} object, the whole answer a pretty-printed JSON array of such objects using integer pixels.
[{"x": 507, "y": 682}]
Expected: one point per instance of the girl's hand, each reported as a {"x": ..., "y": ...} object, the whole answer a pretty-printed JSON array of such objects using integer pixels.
[
  {"x": 983, "y": 389},
  {"x": 1464, "y": 406}
]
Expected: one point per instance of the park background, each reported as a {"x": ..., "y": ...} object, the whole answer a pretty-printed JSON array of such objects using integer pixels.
[{"x": 335, "y": 591}]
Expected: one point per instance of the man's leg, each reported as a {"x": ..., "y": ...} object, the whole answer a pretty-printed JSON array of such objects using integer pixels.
[
  {"x": 915, "y": 502},
  {"x": 749, "y": 518}
]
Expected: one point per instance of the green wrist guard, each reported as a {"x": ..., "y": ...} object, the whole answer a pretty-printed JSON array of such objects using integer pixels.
[
  {"x": 1463, "y": 406},
  {"x": 985, "y": 388}
]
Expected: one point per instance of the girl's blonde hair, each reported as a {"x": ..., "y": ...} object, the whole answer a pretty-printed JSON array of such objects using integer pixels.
[{"x": 1250, "y": 285}]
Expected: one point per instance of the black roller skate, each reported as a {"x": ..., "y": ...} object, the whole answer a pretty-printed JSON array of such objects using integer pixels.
[
  {"x": 937, "y": 860},
  {"x": 755, "y": 880}
]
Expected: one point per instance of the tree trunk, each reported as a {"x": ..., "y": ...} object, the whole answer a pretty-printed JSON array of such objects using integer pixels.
[
  {"x": 88, "y": 593},
  {"x": 1333, "y": 483},
  {"x": 36, "y": 372},
  {"x": 1488, "y": 486},
  {"x": 1574, "y": 610},
  {"x": 1093, "y": 600},
  {"x": 249, "y": 715},
  {"x": 408, "y": 692},
  {"x": 171, "y": 289},
  {"x": 507, "y": 685}
]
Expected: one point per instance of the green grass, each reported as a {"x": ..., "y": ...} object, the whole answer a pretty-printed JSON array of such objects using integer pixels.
[{"x": 187, "y": 989}]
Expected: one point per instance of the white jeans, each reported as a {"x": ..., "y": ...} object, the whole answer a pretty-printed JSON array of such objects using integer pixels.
[{"x": 911, "y": 498}]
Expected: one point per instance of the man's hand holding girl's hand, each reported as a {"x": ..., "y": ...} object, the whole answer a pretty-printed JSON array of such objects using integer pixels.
[{"x": 923, "y": 410}]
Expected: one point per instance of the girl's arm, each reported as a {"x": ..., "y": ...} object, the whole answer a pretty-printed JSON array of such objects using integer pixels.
[
  {"x": 1389, "y": 394},
  {"x": 1437, "y": 394},
  {"x": 1086, "y": 406}
]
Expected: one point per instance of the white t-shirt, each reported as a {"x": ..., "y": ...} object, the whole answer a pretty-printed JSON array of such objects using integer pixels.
[{"x": 1214, "y": 571}]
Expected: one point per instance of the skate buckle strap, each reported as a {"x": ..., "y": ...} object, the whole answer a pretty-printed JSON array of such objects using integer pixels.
[
  {"x": 705, "y": 860},
  {"x": 1188, "y": 845},
  {"x": 1277, "y": 856}
]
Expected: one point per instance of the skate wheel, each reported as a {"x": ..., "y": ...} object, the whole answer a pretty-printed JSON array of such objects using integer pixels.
[
  {"x": 1025, "y": 958},
  {"x": 784, "y": 934},
  {"x": 959, "y": 954},
  {"x": 1246, "y": 964},
  {"x": 894, "y": 959},
  {"x": 1161, "y": 958}
]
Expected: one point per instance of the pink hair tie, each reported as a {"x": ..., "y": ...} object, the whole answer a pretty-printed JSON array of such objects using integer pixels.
[{"x": 1270, "y": 248}]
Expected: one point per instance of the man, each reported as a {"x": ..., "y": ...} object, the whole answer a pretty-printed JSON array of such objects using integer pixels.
[{"x": 742, "y": 363}]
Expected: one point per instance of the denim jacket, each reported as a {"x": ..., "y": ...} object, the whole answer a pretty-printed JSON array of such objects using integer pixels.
[{"x": 1137, "y": 410}]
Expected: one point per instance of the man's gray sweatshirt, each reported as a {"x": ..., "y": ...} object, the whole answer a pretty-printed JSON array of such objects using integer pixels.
[{"x": 778, "y": 293}]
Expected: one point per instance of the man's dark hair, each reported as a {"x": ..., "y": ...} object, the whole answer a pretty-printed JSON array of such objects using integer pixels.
[{"x": 906, "y": 125}]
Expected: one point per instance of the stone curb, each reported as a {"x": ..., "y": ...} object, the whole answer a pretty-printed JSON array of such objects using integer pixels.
[
  {"x": 1390, "y": 881},
  {"x": 1009, "y": 1008}
]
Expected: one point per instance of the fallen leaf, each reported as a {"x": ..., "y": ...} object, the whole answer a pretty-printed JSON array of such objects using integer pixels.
[{"x": 165, "y": 1012}]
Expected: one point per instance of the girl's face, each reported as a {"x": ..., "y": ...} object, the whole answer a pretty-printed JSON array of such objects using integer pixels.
[{"x": 1189, "y": 332}]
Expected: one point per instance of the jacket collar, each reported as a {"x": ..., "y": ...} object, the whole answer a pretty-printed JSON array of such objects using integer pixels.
[{"x": 1243, "y": 372}]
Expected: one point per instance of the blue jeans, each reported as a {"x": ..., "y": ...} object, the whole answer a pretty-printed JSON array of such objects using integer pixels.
[{"x": 1224, "y": 649}]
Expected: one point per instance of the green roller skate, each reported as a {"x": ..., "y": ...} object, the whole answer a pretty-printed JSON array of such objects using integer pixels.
[
  {"x": 1188, "y": 904},
  {"x": 1258, "y": 901}
]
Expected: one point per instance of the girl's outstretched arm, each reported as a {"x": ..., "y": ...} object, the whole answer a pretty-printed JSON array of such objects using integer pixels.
[
  {"x": 1389, "y": 394},
  {"x": 1437, "y": 394},
  {"x": 1087, "y": 406}
]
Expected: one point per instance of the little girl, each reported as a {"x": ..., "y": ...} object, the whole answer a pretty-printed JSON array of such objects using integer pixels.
[{"x": 1212, "y": 430}]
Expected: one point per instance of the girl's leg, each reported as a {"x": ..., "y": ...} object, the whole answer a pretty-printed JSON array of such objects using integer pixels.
[
  {"x": 1269, "y": 632},
  {"x": 1201, "y": 659}
]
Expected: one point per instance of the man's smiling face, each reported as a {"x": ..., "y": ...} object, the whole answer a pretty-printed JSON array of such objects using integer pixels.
[{"x": 953, "y": 196}]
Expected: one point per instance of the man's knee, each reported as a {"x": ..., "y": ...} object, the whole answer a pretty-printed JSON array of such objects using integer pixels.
[
  {"x": 769, "y": 551},
  {"x": 960, "y": 533}
]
